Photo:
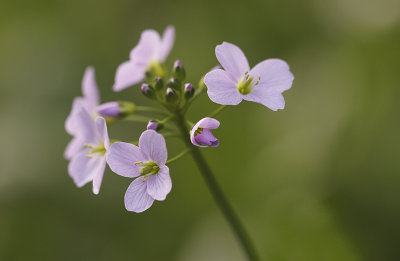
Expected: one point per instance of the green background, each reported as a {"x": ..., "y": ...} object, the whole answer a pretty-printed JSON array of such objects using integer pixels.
[{"x": 316, "y": 181}]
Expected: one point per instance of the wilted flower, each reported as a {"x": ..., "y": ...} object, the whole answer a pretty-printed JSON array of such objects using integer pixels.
[
  {"x": 146, "y": 56},
  {"x": 263, "y": 84},
  {"x": 146, "y": 160},
  {"x": 201, "y": 136},
  {"x": 89, "y": 163}
]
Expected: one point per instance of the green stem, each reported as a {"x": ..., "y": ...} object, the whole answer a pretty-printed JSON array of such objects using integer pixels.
[
  {"x": 216, "y": 192},
  {"x": 180, "y": 155},
  {"x": 137, "y": 118},
  {"x": 220, "y": 108}
]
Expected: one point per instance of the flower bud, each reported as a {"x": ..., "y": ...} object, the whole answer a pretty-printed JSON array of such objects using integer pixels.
[
  {"x": 109, "y": 109},
  {"x": 171, "y": 95},
  {"x": 175, "y": 84},
  {"x": 147, "y": 90},
  {"x": 188, "y": 91},
  {"x": 155, "y": 125},
  {"x": 179, "y": 71},
  {"x": 116, "y": 109},
  {"x": 158, "y": 83}
]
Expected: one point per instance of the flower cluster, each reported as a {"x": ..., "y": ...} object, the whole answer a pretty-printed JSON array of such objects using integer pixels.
[{"x": 146, "y": 160}]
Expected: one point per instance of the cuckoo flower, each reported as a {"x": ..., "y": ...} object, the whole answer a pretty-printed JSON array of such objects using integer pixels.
[
  {"x": 146, "y": 160},
  {"x": 89, "y": 163},
  {"x": 263, "y": 84},
  {"x": 147, "y": 55},
  {"x": 90, "y": 101},
  {"x": 201, "y": 136}
]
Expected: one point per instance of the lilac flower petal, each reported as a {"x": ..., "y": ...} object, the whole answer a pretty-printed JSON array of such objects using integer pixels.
[
  {"x": 221, "y": 88},
  {"x": 274, "y": 73},
  {"x": 232, "y": 59},
  {"x": 87, "y": 127},
  {"x": 146, "y": 49},
  {"x": 109, "y": 109},
  {"x": 70, "y": 123},
  {"x": 122, "y": 157},
  {"x": 98, "y": 176},
  {"x": 153, "y": 145},
  {"x": 73, "y": 147},
  {"x": 207, "y": 138},
  {"x": 208, "y": 123},
  {"x": 136, "y": 197},
  {"x": 159, "y": 185},
  {"x": 101, "y": 126},
  {"x": 89, "y": 87},
  {"x": 83, "y": 169},
  {"x": 128, "y": 73},
  {"x": 167, "y": 42},
  {"x": 270, "y": 99}
]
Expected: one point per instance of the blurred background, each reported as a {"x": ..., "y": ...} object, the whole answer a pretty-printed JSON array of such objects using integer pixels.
[{"x": 316, "y": 181}]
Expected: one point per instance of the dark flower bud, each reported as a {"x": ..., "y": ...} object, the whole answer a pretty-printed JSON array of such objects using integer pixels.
[
  {"x": 188, "y": 90},
  {"x": 147, "y": 90},
  {"x": 179, "y": 71}
]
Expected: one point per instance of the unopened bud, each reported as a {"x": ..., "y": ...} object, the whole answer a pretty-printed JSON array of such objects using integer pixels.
[
  {"x": 147, "y": 90},
  {"x": 170, "y": 95},
  {"x": 189, "y": 90},
  {"x": 179, "y": 71},
  {"x": 175, "y": 84},
  {"x": 109, "y": 109},
  {"x": 158, "y": 83},
  {"x": 155, "y": 125}
]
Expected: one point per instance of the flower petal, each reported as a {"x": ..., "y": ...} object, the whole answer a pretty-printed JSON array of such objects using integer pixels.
[
  {"x": 98, "y": 176},
  {"x": 153, "y": 145},
  {"x": 83, "y": 169},
  {"x": 128, "y": 73},
  {"x": 167, "y": 42},
  {"x": 221, "y": 88},
  {"x": 232, "y": 59},
  {"x": 70, "y": 122},
  {"x": 159, "y": 185},
  {"x": 101, "y": 126},
  {"x": 89, "y": 87},
  {"x": 147, "y": 48},
  {"x": 206, "y": 138},
  {"x": 208, "y": 123},
  {"x": 136, "y": 197},
  {"x": 275, "y": 78},
  {"x": 122, "y": 157},
  {"x": 73, "y": 147},
  {"x": 274, "y": 73},
  {"x": 87, "y": 127}
]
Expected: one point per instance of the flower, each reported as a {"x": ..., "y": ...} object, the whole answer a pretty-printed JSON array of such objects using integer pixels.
[
  {"x": 146, "y": 160},
  {"x": 109, "y": 109},
  {"x": 89, "y": 163},
  {"x": 90, "y": 102},
  {"x": 263, "y": 84},
  {"x": 201, "y": 136},
  {"x": 147, "y": 55}
]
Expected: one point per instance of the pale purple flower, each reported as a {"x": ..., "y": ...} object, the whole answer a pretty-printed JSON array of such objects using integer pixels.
[
  {"x": 109, "y": 109},
  {"x": 147, "y": 55},
  {"x": 89, "y": 163},
  {"x": 263, "y": 84},
  {"x": 90, "y": 101},
  {"x": 201, "y": 136},
  {"x": 146, "y": 160}
]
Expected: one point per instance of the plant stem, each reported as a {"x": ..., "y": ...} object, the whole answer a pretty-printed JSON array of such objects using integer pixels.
[
  {"x": 216, "y": 191},
  {"x": 151, "y": 109},
  {"x": 220, "y": 108},
  {"x": 180, "y": 155}
]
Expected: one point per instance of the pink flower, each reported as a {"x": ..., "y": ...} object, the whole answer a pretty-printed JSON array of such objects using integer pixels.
[
  {"x": 147, "y": 55},
  {"x": 146, "y": 160},
  {"x": 89, "y": 163},
  {"x": 263, "y": 84}
]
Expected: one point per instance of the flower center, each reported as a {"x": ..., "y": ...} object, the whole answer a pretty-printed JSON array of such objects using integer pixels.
[
  {"x": 96, "y": 150},
  {"x": 247, "y": 83},
  {"x": 156, "y": 69},
  {"x": 147, "y": 168}
]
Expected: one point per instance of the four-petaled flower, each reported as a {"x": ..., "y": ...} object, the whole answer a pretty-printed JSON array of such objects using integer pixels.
[
  {"x": 146, "y": 160},
  {"x": 89, "y": 163},
  {"x": 90, "y": 101},
  {"x": 263, "y": 84},
  {"x": 201, "y": 136},
  {"x": 146, "y": 56}
]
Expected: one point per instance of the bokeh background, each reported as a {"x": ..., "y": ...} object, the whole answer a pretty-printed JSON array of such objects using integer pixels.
[{"x": 316, "y": 181}]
